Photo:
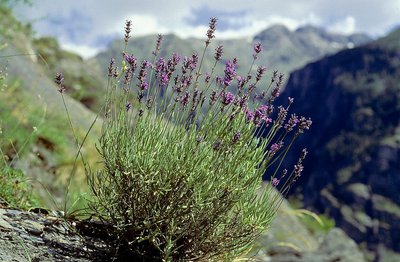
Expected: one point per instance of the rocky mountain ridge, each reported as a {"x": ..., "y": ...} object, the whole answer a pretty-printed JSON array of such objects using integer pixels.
[
  {"x": 284, "y": 50},
  {"x": 353, "y": 170}
]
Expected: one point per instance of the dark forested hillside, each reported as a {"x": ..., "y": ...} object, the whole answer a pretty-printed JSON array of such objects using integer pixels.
[{"x": 353, "y": 171}]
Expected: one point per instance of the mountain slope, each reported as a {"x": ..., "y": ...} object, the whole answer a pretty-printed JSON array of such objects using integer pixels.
[
  {"x": 82, "y": 83},
  {"x": 353, "y": 170},
  {"x": 284, "y": 50},
  {"x": 36, "y": 136},
  {"x": 288, "y": 50}
]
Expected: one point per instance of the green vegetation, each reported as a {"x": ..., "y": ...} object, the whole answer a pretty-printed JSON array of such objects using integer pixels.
[
  {"x": 15, "y": 189},
  {"x": 182, "y": 183},
  {"x": 317, "y": 223},
  {"x": 36, "y": 139},
  {"x": 10, "y": 25},
  {"x": 34, "y": 136}
]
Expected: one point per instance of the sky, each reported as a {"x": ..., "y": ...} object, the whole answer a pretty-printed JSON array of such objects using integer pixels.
[{"x": 87, "y": 26}]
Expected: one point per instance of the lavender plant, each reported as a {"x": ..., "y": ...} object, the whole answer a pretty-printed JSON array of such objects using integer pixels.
[{"x": 183, "y": 157}]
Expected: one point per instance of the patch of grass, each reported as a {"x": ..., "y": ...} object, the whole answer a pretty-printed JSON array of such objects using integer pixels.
[
  {"x": 16, "y": 189},
  {"x": 317, "y": 223},
  {"x": 23, "y": 122}
]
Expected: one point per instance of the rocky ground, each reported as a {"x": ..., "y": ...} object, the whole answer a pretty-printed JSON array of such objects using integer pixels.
[
  {"x": 40, "y": 236},
  {"x": 289, "y": 240},
  {"x": 29, "y": 236}
]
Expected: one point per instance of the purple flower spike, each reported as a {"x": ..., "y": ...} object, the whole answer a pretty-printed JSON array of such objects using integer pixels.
[
  {"x": 211, "y": 30},
  {"x": 267, "y": 121},
  {"x": 185, "y": 99},
  {"x": 243, "y": 102},
  {"x": 257, "y": 49},
  {"x": 193, "y": 61},
  {"x": 128, "y": 27},
  {"x": 131, "y": 60},
  {"x": 275, "y": 147},
  {"x": 241, "y": 81},
  {"x": 298, "y": 168},
  {"x": 176, "y": 58},
  {"x": 249, "y": 116},
  {"x": 111, "y": 67},
  {"x": 304, "y": 124},
  {"x": 275, "y": 92},
  {"x": 227, "y": 98},
  {"x": 219, "y": 51},
  {"x": 260, "y": 72},
  {"x": 292, "y": 122},
  {"x": 207, "y": 78},
  {"x": 304, "y": 153},
  {"x": 144, "y": 85},
  {"x": 158, "y": 45},
  {"x": 161, "y": 65},
  {"x": 213, "y": 97},
  {"x": 263, "y": 109},
  {"x": 230, "y": 73},
  {"x": 261, "y": 114},
  {"x": 164, "y": 79},
  {"x": 143, "y": 73},
  {"x": 275, "y": 181},
  {"x": 59, "y": 79}
]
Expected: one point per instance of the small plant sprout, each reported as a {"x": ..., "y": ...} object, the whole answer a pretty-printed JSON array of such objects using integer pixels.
[{"x": 183, "y": 158}]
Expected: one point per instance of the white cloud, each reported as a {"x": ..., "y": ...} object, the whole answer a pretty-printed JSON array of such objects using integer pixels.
[
  {"x": 251, "y": 28},
  {"x": 141, "y": 25},
  {"x": 84, "y": 51},
  {"x": 107, "y": 18},
  {"x": 345, "y": 26}
]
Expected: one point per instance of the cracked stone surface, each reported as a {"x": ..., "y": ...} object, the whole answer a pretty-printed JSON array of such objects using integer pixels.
[{"x": 27, "y": 236}]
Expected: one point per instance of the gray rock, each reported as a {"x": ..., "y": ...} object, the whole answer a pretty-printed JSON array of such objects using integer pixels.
[
  {"x": 26, "y": 236},
  {"x": 335, "y": 246}
]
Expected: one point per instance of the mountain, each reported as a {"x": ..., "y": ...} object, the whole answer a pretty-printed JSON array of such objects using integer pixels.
[
  {"x": 353, "y": 169},
  {"x": 288, "y": 50},
  {"x": 284, "y": 50}
]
